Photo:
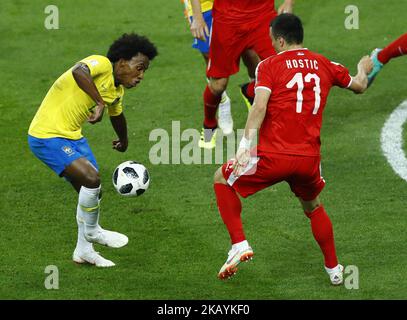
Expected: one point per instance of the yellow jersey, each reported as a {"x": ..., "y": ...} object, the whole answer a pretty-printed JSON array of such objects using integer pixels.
[
  {"x": 66, "y": 106},
  {"x": 206, "y": 5}
]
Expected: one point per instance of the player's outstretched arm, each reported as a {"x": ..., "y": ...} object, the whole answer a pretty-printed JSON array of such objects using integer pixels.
[
  {"x": 119, "y": 125},
  {"x": 254, "y": 121},
  {"x": 359, "y": 81},
  {"x": 81, "y": 74},
  {"x": 198, "y": 26}
]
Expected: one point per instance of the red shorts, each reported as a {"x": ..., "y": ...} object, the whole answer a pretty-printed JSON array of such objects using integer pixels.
[
  {"x": 228, "y": 42},
  {"x": 302, "y": 173}
]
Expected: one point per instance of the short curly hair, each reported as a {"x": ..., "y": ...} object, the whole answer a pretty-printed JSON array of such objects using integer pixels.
[{"x": 129, "y": 45}]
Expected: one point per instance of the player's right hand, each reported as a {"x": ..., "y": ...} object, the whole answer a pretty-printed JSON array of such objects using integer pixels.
[
  {"x": 97, "y": 114},
  {"x": 199, "y": 28},
  {"x": 241, "y": 161},
  {"x": 366, "y": 64},
  {"x": 286, "y": 7}
]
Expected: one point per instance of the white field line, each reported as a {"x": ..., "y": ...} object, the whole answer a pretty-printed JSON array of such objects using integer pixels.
[{"x": 392, "y": 140}]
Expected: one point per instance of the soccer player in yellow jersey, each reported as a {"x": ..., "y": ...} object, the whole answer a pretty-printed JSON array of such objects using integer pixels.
[{"x": 82, "y": 94}]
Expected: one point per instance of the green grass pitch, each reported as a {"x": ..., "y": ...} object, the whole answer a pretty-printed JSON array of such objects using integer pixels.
[{"x": 177, "y": 239}]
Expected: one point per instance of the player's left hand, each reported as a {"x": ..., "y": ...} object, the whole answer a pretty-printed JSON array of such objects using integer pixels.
[
  {"x": 241, "y": 161},
  {"x": 286, "y": 7},
  {"x": 120, "y": 145}
]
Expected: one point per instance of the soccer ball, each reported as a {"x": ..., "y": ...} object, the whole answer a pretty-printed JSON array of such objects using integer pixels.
[{"x": 131, "y": 178}]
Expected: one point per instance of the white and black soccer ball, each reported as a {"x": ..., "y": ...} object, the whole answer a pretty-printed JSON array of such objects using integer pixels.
[{"x": 131, "y": 178}]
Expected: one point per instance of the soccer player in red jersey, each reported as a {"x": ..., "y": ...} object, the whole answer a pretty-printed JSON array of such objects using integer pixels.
[
  {"x": 291, "y": 92},
  {"x": 381, "y": 56},
  {"x": 237, "y": 26},
  {"x": 199, "y": 13},
  {"x": 247, "y": 89}
]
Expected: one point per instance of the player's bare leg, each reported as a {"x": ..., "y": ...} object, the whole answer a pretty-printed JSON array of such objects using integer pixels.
[
  {"x": 212, "y": 98},
  {"x": 323, "y": 233},
  {"x": 85, "y": 179},
  {"x": 206, "y": 58},
  {"x": 251, "y": 60},
  {"x": 230, "y": 209}
]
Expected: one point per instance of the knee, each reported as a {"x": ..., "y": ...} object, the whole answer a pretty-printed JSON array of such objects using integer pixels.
[
  {"x": 309, "y": 206},
  {"x": 217, "y": 86},
  {"x": 92, "y": 180},
  {"x": 218, "y": 177}
]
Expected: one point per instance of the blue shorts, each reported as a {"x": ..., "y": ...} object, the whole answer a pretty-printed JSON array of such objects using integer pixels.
[
  {"x": 203, "y": 46},
  {"x": 58, "y": 153}
]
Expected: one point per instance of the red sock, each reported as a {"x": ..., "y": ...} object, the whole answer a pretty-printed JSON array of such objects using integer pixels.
[
  {"x": 211, "y": 103},
  {"x": 230, "y": 207},
  {"x": 250, "y": 89},
  {"x": 323, "y": 233},
  {"x": 394, "y": 49}
]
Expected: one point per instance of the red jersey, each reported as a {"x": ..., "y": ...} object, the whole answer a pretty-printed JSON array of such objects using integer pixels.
[
  {"x": 299, "y": 81},
  {"x": 240, "y": 12}
]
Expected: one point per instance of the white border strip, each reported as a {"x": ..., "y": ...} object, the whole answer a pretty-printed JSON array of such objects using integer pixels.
[
  {"x": 263, "y": 88},
  {"x": 232, "y": 178},
  {"x": 392, "y": 140}
]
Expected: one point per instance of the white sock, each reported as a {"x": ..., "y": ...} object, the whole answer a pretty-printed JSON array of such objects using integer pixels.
[
  {"x": 224, "y": 98},
  {"x": 99, "y": 200},
  {"x": 88, "y": 209},
  {"x": 336, "y": 269},
  {"x": 241, "y": 245},
  {"x": 82, "y": 244}
]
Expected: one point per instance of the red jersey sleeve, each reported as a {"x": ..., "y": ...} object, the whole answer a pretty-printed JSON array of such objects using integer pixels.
[
  {"x": 341, "y": 76},
  {"x": 263, "y": 76}
]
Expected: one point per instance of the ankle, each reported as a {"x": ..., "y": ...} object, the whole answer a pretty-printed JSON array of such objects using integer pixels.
[
  {"x": 91, "y": 230},
  {"x": 241, "y": 245},
  {"x": 334, "y": 269}
]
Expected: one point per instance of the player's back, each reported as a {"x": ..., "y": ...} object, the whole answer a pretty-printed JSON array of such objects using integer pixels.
[{"x": 299, "y": 81}]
